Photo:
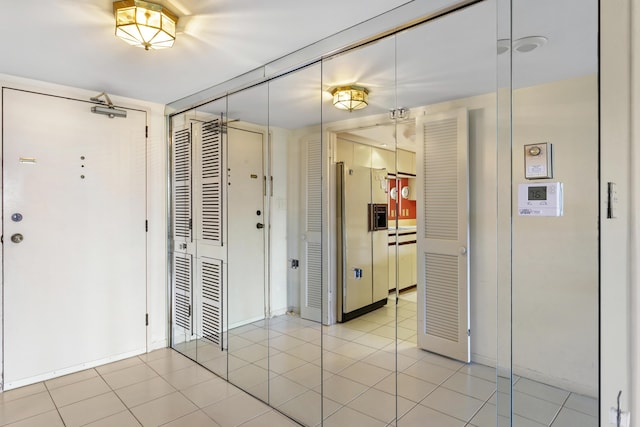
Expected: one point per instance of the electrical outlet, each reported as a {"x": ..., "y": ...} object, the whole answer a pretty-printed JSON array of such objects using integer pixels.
[{"x": 625, "y": 418}]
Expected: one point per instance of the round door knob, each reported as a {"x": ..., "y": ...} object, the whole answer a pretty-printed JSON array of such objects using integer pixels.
[
  {"x": 259, "y": 225},
  {"x": 17, "y": 238},
  {"x": 463, "y": 250}
]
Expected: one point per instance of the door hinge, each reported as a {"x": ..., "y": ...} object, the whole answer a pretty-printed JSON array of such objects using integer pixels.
[
  {"x": 189, "y": 310},
  {"x": 468, "y": 332},
  {"x": 190, "y": 223},
  {"x": 146, "y": 131},
  {"x": 146, "y": 319},
  {"x": 146, "y": 225}
]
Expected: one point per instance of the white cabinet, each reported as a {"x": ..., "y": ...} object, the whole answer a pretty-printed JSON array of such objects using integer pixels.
[
  {"x": 405, "y": 260},
  {"x": 406, "y": 162},
  {"x": 406, "y": 265},
  {"x": 383, "y": 159},
  {"x": 392, "y": 264}
]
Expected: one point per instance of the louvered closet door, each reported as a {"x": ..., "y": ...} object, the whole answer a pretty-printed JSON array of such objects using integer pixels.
[
  {"x": 442, "y": 234},
  {"x": 311, "y": 264},
  {"x": 182, "y": 281},
  {"x": 209, "y": 231}
]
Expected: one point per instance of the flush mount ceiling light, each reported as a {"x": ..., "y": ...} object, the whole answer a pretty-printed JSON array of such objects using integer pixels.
[
  {"x": 350, "y": 97},
  {"x": 144, "y": 24}
]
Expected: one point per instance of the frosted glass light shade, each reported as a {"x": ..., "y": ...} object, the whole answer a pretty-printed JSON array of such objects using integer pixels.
[
  {"x": 350, "y": 98},
  {"x": 144, "y": 24}
]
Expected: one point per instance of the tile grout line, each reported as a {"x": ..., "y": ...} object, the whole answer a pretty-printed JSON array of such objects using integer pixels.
[
  {"x": 41, "y": 413},
  {"x": 54, "y": 402},
  {"x": 198, "y": 408},
  {"x": 560, "y": 409},
  {"x": 118, "y": 396}
]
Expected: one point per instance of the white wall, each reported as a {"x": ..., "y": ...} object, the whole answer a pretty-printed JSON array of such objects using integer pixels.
[
  {"x": 555, "y": 313},
  {"x": 555, "y": 260},
  {"x": 555, "y": 319},
  {"x": 618, "y": 334},
  {"x": 156, "y": 198},
  {"x": 294, "y": 222},
  {"x": 635, "y": 214},
  {"x": 278, "y": 222}
]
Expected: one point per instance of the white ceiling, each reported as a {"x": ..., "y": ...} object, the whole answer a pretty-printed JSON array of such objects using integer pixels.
[
  {"x": 72, "y": 42},
  {"x": 450, "y": 58}
]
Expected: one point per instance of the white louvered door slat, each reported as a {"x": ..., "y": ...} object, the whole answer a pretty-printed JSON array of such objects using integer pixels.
[
  {"x": 442, "y": 234},
  {"x": 312, "y": 244},
  {"x": 182, "y": 292},
  {"x": 182, "y": 186},
  {"x": 210, "y": 276},
  {"x": 211, "y": 159}
]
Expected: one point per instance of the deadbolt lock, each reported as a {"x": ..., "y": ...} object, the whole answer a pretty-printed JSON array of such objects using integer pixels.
[{"x": 17, "y": 238}]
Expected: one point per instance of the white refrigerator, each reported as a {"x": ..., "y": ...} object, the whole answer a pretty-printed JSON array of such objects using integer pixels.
[{"x": 362, "y": 240}]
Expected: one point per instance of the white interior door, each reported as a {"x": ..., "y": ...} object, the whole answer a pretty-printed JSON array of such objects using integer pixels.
[
  {"x": 311, "y": 257},
  {"x": 443, "y": 234},
  {"x": 74, "y": 188},
  {"x": 246, "y": 227}
]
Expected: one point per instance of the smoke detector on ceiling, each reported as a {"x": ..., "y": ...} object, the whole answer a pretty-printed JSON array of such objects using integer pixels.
[{"x": 522, "y": 45}]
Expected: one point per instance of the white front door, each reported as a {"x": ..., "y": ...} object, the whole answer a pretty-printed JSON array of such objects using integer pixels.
[
  {"x": 443, "y": 233},
  {"x": 74, "y": 187},
  {"x": 246, "y": 225}
]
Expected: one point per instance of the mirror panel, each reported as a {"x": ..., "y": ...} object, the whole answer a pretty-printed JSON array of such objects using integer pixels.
[
  {"x": 555, "y": 256},
  {"x": 359, "y": 343},
  {"x": 504, "y": 374},
  {"x": 182, "y": 257},
  {"x": 448, "y": 86},
  {"x": 326, "y": 312},
  {"x": 247, "y": 243},
  {"x": 295, "y": 258},
  {"x": 208, "y": 216},
  {"x": 198, "y": 253}
]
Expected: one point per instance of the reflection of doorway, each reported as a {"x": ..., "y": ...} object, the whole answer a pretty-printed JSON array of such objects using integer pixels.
[
  {"x": 246, "y": 227},
  {"x": 439, "y": 264},
  {"x": 75, "y": 287}
]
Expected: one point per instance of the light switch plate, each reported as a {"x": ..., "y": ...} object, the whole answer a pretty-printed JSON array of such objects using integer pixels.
[
  {"x": 538, "y": 161},
  {"x": 625, "y": 418}
]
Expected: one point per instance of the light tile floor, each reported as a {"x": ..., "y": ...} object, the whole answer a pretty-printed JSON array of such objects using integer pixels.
[
  {"x": 161, "y": 388},
  {"x": 283, "y": 365}
]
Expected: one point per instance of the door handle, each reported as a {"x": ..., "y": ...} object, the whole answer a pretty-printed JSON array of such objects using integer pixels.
[
  {"x": 17, "y": 238},
  {"x": 259, "y": 225}
]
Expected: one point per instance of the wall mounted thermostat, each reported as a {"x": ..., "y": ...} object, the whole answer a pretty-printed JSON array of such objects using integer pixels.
[
  {"x": 538, "y": 161},
  {"x": 540, "y": 199}
]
